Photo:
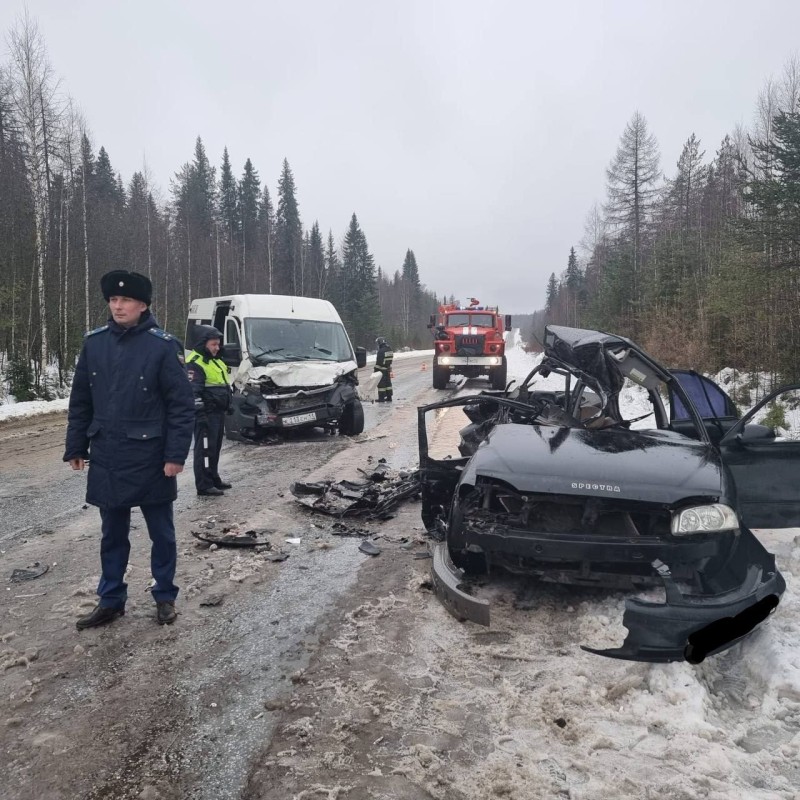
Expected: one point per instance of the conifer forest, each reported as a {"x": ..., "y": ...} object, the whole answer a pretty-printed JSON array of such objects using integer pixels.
[
  {"x": 698, "y": 265},
  {"x": 67, "y": 217}
]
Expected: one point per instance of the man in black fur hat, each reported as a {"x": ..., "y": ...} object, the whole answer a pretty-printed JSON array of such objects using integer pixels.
[{"x": 131, "y": 410}]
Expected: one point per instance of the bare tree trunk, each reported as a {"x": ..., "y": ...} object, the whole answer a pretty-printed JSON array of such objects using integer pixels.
[
  {"x": 149, "y": 246},
  {"x": 165, "y": 321},
  {"x": 86, "y": 322},
  {"x": 219, "y": 266},
  {"x": 32, "y": 95},
  {"x": 62, "y": 308},
  {"x": 269, "y": 255}
]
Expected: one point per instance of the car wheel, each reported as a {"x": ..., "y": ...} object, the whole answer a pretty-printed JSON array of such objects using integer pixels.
[
  {"x": 352, "y": 421},
  {"x": 500, "y": 375},
  {"x": 441, "y": 375}
]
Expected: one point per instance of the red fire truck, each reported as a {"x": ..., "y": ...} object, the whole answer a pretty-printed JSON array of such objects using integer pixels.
[{"x": 469, "y": 341}]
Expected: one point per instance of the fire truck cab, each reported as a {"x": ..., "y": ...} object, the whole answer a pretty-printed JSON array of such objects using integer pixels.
[{"x": 469, "y": 341}]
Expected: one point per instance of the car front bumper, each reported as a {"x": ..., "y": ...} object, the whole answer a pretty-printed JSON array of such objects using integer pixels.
[
  {"x": 469, "y": 361},
  {"x": 685, "y": 627}
]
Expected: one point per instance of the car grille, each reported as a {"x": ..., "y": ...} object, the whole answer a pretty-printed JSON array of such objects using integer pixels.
[
  {"x": 469, "y": 344},
  {"x": 569, "y": 514}
]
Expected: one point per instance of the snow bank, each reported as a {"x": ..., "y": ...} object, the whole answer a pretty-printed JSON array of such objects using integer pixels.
[{"x": 32, "y": 408}]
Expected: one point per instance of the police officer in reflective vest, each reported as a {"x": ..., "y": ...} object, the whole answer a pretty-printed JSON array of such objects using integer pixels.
[
  {"x": 383, "y": 364},
  {"x": 212, "y": 397}
]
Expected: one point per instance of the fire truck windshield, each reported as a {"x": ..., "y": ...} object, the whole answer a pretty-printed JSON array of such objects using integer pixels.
[{"x": 473, "y": 320}]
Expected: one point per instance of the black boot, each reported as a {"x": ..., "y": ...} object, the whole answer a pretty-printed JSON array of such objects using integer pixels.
[
  {"x": 212, "y": 492},
  {"x": 165, "y": 613},
  {"x": 100, "y": 615},
  {"x": 223, "y": 485}
]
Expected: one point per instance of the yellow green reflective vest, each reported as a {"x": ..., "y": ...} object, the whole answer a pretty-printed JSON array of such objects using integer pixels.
[{"x": 215, "y": 369}]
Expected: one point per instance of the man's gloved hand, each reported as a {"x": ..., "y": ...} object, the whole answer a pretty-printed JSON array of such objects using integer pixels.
[{"x": 199, "y": 405}]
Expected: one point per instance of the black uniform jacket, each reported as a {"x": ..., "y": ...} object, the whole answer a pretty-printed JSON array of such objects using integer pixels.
[{"x": 131, "y": 410}]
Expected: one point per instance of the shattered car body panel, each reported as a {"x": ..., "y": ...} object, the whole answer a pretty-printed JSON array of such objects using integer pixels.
[{"x": 555, "y": 484}]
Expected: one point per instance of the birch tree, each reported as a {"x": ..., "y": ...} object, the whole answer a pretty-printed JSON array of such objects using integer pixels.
[{"x": 34, "y": 103}]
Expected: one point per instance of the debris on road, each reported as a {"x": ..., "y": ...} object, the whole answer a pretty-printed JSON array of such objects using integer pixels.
[
  {"x": 340, "y": 529},
  {"x": 374, "y": 498},
  {"x": 369, "y": 547},
  {"x": 31, "y": 572},
  {"x": 231, "y": 538},
  {"x": 212, "y": 600}
]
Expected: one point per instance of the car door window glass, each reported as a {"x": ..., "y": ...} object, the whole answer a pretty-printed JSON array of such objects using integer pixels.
[{"x": 709, "y": 400}]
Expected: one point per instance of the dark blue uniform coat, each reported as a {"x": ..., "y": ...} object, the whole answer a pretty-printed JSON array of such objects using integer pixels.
[{"x": 131, "y": 410}]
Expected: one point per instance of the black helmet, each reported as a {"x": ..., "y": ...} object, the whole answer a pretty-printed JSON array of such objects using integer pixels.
[
  {"x": 204, "y": 333},
  {"x": 380, "y": 340}
]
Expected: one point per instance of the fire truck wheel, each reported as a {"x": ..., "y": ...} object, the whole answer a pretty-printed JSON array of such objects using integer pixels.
[
  {"x": 500, "y": 375},
  {"x": 441, "y": 375},
  {"x": 352, "y": 421}
]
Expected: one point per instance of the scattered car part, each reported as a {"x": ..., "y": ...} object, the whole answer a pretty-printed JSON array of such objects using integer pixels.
[
  {"x": 449, "y": 587},
  {"x": 372, "y": 499},
  {"x": 369, "y": 547},
  {"x": 227, "y": 538},
  {"x": 31, "y": 572}
]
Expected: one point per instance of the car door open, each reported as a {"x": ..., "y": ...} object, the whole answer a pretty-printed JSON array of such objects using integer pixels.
[{"x": 765, "y": 461}]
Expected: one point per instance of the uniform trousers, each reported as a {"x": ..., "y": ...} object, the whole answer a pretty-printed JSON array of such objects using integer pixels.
[
  {"x": 115, "y": 547},
  {"x": 213, "y": 425}
]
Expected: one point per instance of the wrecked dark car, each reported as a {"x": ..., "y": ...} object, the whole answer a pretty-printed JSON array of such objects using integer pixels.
[{"x": 556, "y": 484}]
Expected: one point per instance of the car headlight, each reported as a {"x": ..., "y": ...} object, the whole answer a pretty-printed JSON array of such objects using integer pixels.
[
  {"x": 704, "y": 519},
  {"x": 444, "y": 360}
]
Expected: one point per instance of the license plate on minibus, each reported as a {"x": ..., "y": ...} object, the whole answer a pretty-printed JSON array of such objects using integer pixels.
[{"x": 299, "y": 419}]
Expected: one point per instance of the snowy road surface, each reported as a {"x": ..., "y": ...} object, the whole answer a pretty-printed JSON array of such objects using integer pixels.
[{"x": 339, "y": 676}]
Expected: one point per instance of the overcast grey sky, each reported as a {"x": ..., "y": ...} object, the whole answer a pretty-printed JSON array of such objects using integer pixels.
[{"x": 475, "y": 133}]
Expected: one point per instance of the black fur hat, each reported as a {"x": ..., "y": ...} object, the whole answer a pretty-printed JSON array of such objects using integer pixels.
[{"x": 121, "y": 283}]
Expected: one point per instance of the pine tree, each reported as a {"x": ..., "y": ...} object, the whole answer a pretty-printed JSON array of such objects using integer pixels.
[
  {"x": 249, "y": 197},
  {"x": 288, "y": 237},
  {"x": 333, "y": 268},
  {"x": 360, "y": 294},
  {"x": 315, "y": 260},
  {"x": 266, "y": 226},
  {"x": 573, "y": 283},
  {"x": 632, "y": 177},
  {"x": 552, "y": 294},
  {"x": 228, "y": 200}
]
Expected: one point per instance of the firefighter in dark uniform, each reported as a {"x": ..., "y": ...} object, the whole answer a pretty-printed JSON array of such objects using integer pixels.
[
  {"x": 208, "y": 376},
  {"x": 131, "y": 410},
  {"x": 383, "y": 364}
]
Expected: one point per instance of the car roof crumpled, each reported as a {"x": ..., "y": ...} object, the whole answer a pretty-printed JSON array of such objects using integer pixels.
[{"x": 589, "y": 351}]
